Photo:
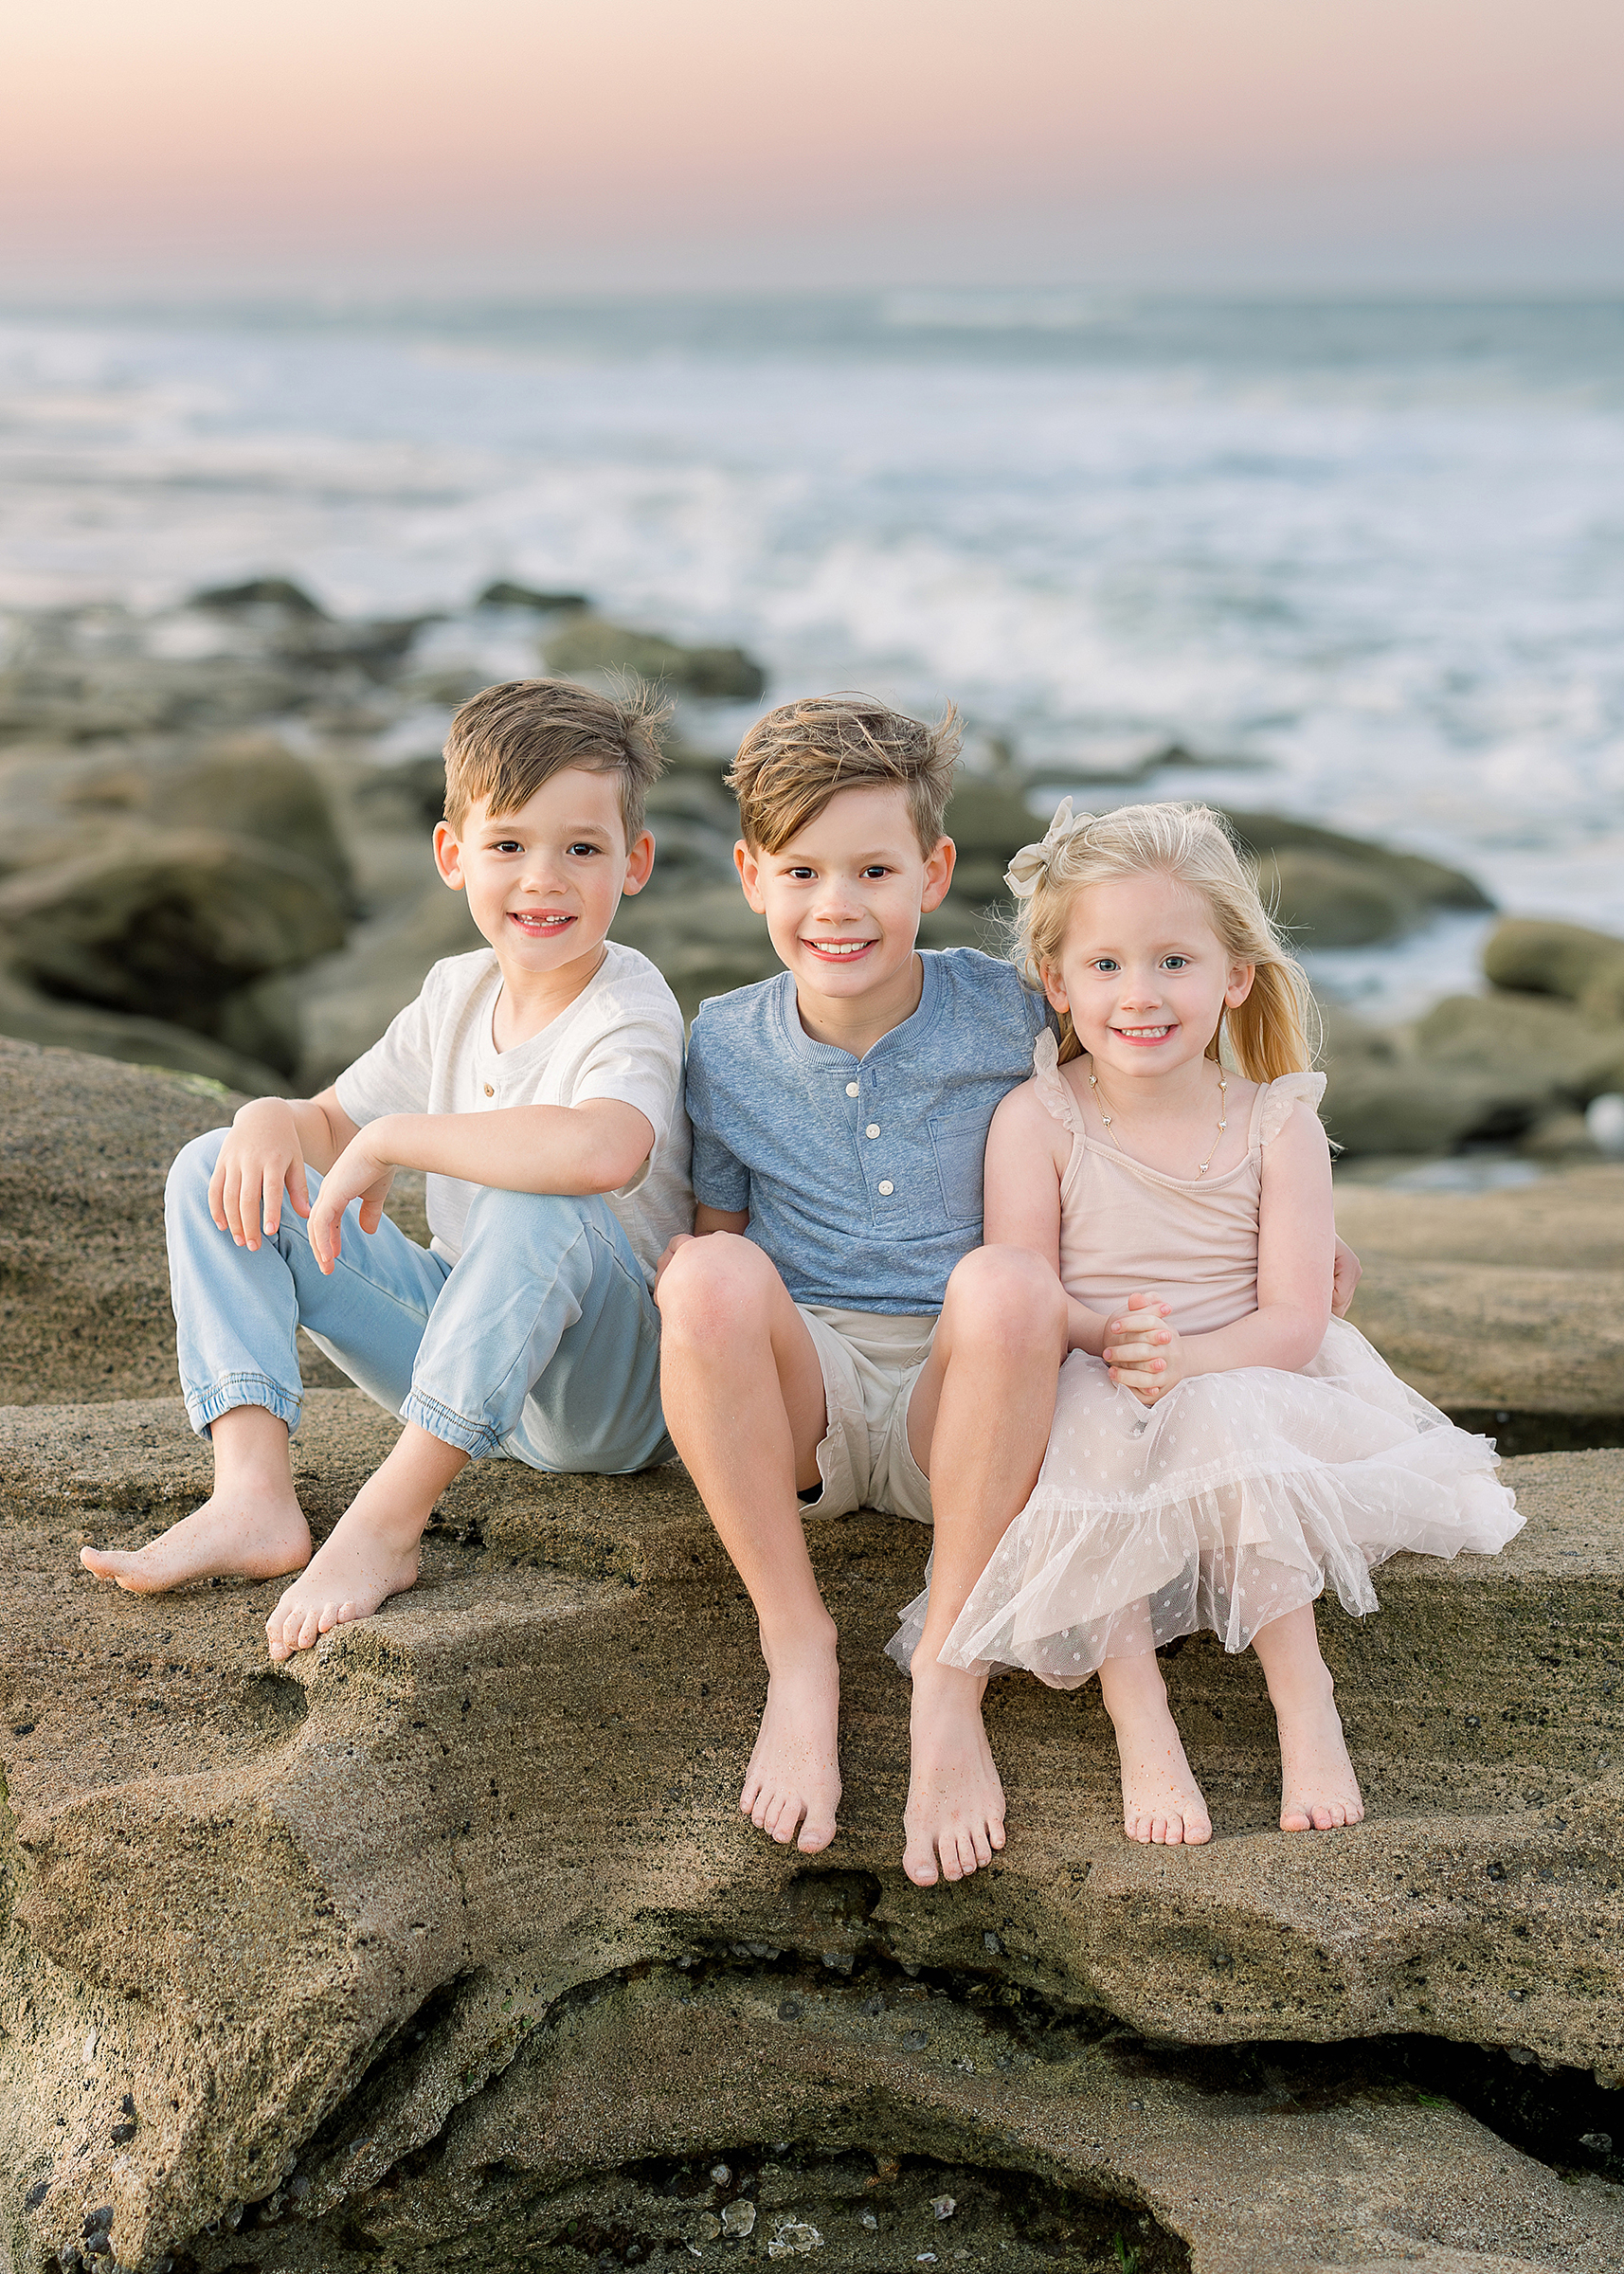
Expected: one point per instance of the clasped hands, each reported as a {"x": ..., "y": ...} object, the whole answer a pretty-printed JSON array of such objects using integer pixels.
[{"x": 1144, "y": 1353}]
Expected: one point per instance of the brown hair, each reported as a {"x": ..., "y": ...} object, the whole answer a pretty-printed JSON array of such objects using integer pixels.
[
  {"x": 506, "y": 741},
  {"x": 798, "y": 757},
  {"x": 1264, "y": 1037}
]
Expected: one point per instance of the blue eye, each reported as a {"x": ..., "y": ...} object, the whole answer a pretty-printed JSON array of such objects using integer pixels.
[
  {"x": 1106, "y": 963},
  {"x": 1174, "y": 963}
]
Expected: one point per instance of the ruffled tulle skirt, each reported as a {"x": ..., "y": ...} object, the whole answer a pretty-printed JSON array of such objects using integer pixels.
[{"x": 1239, "y": 1497}]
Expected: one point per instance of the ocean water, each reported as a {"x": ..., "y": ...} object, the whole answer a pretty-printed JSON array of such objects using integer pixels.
[{"x": 1364, "y": 559}]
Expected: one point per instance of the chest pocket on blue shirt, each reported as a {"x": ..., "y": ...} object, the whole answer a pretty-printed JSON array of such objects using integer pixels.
[{"x": 959, "y": 1140}]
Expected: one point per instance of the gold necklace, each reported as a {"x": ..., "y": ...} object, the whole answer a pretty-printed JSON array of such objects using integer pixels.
[{"x": 1108, "y": 1118}]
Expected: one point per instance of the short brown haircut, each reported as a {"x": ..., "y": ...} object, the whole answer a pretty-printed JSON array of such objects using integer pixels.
[
  {"x": 506, "y": 741},
  {"x": 798, "y": 757}
]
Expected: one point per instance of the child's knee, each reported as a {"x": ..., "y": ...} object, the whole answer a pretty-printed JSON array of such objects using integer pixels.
[
  {"x": 1009, "y": 1297},
  {"x": 193, "y": 1167},
  {"x": 716, "y": 1288}
]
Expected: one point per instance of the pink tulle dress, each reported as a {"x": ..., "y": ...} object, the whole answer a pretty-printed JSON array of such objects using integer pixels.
[{"x": 1239, "y": 1496}]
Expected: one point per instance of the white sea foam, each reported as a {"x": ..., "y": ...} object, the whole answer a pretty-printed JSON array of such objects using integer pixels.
[{"x": 1378, "y": 550}]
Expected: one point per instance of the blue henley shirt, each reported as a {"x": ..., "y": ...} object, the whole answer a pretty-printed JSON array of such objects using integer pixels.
[{"x": 861, "y": 1177}]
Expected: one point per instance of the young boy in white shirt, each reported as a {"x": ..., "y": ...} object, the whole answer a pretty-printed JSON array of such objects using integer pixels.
[{"x": 539, "y": 1083}]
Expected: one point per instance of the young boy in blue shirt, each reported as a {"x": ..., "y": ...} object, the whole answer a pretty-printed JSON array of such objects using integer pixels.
[{"x": 834, "y": 1336}]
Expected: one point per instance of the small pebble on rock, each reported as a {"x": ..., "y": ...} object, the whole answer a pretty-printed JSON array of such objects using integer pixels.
[
  {"x": 795, "y": 2241},
  {"x": 739, "y": 2218},
  {"x": 944, "y": 2205},
  {"x": 870, "y": 2222},
  {"x": 721, "y": 2175}
]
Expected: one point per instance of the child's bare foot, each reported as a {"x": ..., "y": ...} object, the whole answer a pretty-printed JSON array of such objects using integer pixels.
[
  {"x": 372, "y": 1552},
  {"x": 242, "y": 1531},
  {"x": 956, "y": 1801},
  {"x": 1318, "y": 1788},
  {"x": 793, "y": 1782},
  {"x": 1319, "y": 1791},
  {"x": 1162, "y": 1803},
  {"x": 365, "y": 1561}
]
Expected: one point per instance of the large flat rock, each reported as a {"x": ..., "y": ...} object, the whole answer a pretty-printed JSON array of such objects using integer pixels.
[
  {"x": 85, "y": 1145},
  {"x": 1498, "y": 1302},
  {"x": 307, "y": 1918}
]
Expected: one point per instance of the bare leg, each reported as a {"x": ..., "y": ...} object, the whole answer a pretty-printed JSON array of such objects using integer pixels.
[
  {"x": 1318, "y": 1788},
  {"x": 978, "y": 1426},
  {"x": 1161, "y": 1801},
  {"x": 743, "y": 1394},
  {"x": 372, "y": 1550},
  {"x": 251, "y": 1526}
]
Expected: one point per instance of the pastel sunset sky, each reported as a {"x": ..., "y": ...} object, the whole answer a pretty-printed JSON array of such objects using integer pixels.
[{"x": 629, "y": 143}]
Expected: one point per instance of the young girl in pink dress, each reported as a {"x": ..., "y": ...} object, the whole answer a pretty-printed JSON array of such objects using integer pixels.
[{"x": 1222, "y": 1447}]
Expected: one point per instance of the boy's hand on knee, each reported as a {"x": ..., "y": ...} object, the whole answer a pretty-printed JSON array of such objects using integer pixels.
[
  {"x": 261, "y": 1159},
  {"x": 356, "y": 1175}
]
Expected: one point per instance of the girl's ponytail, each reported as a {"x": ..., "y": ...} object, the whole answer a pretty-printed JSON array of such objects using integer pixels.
[{"x": 1268, "y": 1035}]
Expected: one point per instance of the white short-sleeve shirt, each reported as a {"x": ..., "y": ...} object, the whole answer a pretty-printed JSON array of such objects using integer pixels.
[{"x": 620, "y": 1038}]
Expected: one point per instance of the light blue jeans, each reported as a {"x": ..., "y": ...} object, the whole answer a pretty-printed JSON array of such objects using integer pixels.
[{"x": 541, "y": 1342}]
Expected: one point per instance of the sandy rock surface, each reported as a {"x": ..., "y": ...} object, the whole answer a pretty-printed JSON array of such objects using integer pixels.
[
  {"x": 1498, "y": 1305},
  {"x": 85, "y": 1145},
  {"x": 469, "y": 1879},
  {"x": 447, "y": 1947}
]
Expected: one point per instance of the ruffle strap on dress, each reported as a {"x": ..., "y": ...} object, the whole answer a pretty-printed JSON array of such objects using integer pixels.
[
  {"x": 1052, "y": 1085},
  {"x": 1275, "y": 1103}
]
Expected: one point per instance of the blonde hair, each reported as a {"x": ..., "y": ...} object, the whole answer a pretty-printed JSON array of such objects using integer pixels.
[
  {"x": 506, "y": 741},
  {"x": 798, "y": 757},
  {"x": 1263, "y": 1038}
]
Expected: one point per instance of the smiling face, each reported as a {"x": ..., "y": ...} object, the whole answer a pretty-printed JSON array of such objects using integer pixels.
[
  {"x": 544, "y": 882},
  {"x": 1143, "y": 975},
  {"x": 843, "y": 898}
]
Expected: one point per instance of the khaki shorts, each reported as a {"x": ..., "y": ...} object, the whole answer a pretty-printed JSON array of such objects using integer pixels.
[{"x": 870, "y": 1362}]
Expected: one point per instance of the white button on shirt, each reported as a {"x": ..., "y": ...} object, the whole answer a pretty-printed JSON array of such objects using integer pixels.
[
  {"x": 851, "y": 1089},
  {"x": 886, "y": 1189},
  {"x": 872, "y": 1129}
]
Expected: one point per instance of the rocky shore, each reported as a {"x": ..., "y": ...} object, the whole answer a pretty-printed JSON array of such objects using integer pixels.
[
  {"x": 218, "y": 862},
  {"x": 445, "y": 1948}
]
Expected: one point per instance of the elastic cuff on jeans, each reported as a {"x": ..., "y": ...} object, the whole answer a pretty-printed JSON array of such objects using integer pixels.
[
  {"x": 476, "y": 1438},
  {"x": 204, "y": 1407}
]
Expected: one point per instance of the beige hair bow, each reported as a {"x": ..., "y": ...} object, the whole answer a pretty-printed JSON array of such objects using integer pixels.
[{"x": 1029, "y": 868}]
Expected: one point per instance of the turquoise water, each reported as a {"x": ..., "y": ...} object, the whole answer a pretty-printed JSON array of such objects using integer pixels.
[{"x": 1372, "y": 552}]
